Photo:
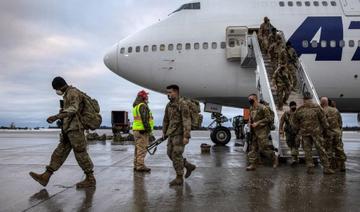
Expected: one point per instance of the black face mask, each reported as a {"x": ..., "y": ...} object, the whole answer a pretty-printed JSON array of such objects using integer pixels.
[
  {"x": 251, "y": 101},
  {"x": 293, "y": 109}
]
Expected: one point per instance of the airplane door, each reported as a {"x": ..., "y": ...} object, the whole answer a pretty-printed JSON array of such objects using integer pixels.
[{"x": 351, "y": 7}]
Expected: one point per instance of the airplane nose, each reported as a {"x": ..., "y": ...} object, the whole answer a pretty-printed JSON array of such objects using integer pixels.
[{"x": 110, "y": 58}]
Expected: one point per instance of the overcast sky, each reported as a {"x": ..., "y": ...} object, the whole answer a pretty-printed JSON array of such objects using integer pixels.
[{"x": 42, "y": 39}]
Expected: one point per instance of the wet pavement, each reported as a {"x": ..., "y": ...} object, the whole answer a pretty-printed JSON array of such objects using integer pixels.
[{"x": 220, "y": 183}]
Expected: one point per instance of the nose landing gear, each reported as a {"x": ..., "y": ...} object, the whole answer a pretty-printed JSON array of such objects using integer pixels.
[{"x": 219, "y": 134}]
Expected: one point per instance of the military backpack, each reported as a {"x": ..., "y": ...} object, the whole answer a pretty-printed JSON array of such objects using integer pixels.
[
  {"x": 90, "y": 115},
  {"x": 196, "y": 117}
]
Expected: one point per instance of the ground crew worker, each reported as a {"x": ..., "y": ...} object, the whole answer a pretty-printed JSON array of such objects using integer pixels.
[
  {"x": 308, "y": 121},
  {"x": 274, "y": 53},
  {"x": 281, "y": 82},
  {"x": 290, "y": 132},
  {"x": 264, "y": 32},
  {"x": 333, "y": 145},
  {"x": 142, "y": 127},
  {"x": 72, "y": 136},
  {"x": 259, "y": 129},
  {"x": 292, "y": 64},
  {"x": 177, "y": 127}
]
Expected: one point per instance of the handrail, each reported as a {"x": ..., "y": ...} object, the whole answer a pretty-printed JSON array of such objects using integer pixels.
[{"x": 264, "y": 87}]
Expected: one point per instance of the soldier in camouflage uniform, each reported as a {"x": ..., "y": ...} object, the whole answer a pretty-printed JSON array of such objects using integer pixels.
[
  {"x": 260, "y": 118},
  {"x": 309, "y": 119},
  {"x": 273, "y": 37},
  {"x": 177, "y": 127},
  {"x": 264, "y": 32},
  {"x": 281, "y": 82},
  {"x": 142, "y": 129},
  {"x": 292, "y": 64},
  {"x": 274, "y": 53},
  {"x": 72, "y": 137},
  {"x": 334, "y": 146},
  {"x": 290, "y": 132}
]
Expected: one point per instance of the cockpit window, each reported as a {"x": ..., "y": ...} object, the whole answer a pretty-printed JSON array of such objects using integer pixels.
[{"x": 189, "y": 6}]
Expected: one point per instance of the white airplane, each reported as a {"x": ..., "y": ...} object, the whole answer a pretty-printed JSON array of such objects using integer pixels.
[{"x": 189, "y": 48}]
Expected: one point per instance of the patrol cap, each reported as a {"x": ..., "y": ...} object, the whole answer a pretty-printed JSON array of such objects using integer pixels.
[
  {"x": 58, "y": 82},
  {"x": 266, "y": 18},
  {"x": 307, "y": 95}
]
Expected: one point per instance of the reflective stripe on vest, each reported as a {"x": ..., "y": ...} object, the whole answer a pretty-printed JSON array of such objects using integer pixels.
[{"x": 138, "y": 124}]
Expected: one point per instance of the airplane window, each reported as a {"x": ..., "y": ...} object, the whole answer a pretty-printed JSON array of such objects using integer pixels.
[
  {"x": 129, "y": 49},
  {"x": 290, "y": 3},
  {"x": 137, "y": 49},
  {"x": 351, "y": 43},
  {"x": 332, "y": 44},
  {"x": 162, "y": 47},
  {"x": 342, "y": 43},
  {"x": 153, "y": 48},
  {"x": 282, "y": 4},
  {"x": 299, "y": 3},
  {"x": 188, "y": 46},
  {"x": 314, "y": 44},
  {"x": 196, "y": 45},
  {"x": 122, "y": 50},
  {"x": 189, "y": 6},
  {"x": 307, "y": 3},
  {"x": 324, "y": 3},
  {"x": 333, "y": 3},
  {"x": 179, "y": 46},
  {"x": 323, "y": 44},
  {"x": 214, "y": 45},
  {"x": 223, "y": 45},
  {"x": 171, "y": 47},
  {"x": 146, "y": 48},
  {"x": 316, "y": 3},
  {"x": 205, "y": 45},
  {"x": 305, "y": 43}
]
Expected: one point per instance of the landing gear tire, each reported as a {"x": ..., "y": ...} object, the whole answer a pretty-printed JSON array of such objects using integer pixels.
[{"x": 220, "y": 135}]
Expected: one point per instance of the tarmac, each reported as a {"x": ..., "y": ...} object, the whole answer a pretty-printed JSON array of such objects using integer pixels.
[{"x": 220, "y": 182}]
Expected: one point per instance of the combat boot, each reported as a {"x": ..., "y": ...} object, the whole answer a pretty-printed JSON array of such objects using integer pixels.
[
  {"x": 342, "y": 166},
  {"x": 178, "y": 181},
  {"x": 189, "y": 168},
  {"x": 88, "y": 182},
  {"x": 275, "y": 161},
  {"x": 328, "y": 171},
  {"x": 43, "y": 178},
  {"x": 144, "y": 169},
  {"x": 252, "y": 167}
]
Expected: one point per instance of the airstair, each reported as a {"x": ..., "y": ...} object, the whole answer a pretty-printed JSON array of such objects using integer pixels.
[{"x": 253, "y": 58}]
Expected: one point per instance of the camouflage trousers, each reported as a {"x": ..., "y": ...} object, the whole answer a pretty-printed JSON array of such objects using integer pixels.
[
  {"x": 175, "y": 150},
  {"x": 71, "y": 140},
  {"x": 259, "y": 146},
  {"x": 141, "y": 142},
  {"x": 283, "y": 94},
  {"x": 307, "y": 143},
  {"x": 293, "y": 74},
  {"x": 335, "y": 147},
  {"x": 293, "y": 143},
  {"x": 264, "y": 43}
]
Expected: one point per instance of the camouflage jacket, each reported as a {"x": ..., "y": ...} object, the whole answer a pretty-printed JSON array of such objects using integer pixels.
[
  {"x": 274, "y": 50},
  {"x": 281, "y": 77},
  {"x": 283, "y": 57},
  {"x": 177, "y": 119},
  {"x": 265, "y": 29},
  {"x": 273, "y": 38},
  {"x": 334, "y": 119},
  {"x": 260, "y": 115},
  {"x": 287, "y": 119},
  {"x": 310, "y": 119},
  {"x": 144, "y": 113},
  {"x": 73, "y": 105},
  {"x": 292, "y": 55}
]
